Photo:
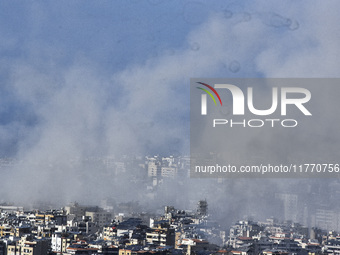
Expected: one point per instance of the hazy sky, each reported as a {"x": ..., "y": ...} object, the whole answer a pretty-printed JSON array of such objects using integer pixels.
[
  {"x": 83, "y": 78},
  {"x": 109, "y": 73}
]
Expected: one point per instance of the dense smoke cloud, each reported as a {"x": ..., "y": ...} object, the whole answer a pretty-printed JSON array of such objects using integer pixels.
[{"x": 64, "y": 101}]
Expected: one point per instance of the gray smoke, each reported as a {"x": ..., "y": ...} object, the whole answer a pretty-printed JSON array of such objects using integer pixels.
[{"x": 58, "y": 119}]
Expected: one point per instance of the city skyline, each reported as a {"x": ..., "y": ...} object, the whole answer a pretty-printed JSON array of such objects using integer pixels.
[{"x": 92, "y": 91}]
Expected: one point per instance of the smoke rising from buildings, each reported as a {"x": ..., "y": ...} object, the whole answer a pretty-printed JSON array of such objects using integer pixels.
[{"x": 70, "y": 93}]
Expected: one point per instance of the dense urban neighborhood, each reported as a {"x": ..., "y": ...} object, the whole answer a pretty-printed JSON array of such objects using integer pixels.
[
  {"x": 125, "y": 228},
  {"x": 169, "y": 127},
  {"x": 79, "y": 229}
]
